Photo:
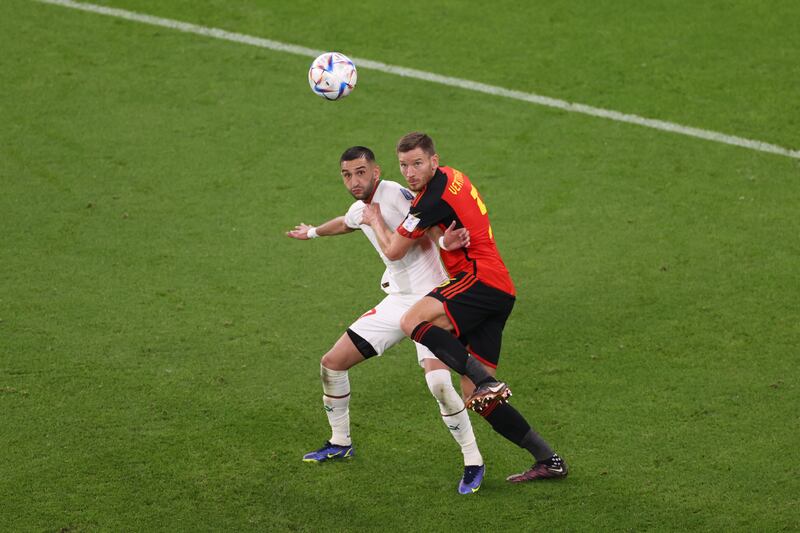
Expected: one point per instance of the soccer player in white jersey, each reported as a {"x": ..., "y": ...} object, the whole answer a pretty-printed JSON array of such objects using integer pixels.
[{"x": 405, "y": 282}]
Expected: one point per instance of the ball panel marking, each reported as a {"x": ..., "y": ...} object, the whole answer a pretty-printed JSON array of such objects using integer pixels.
[{"x": 332, "y": 76}]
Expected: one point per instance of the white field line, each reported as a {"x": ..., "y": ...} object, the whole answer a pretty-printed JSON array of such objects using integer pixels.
[{"x": 434, "y": 78}]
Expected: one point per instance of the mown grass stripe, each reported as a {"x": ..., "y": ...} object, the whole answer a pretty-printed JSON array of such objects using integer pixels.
[{"x": 460, "y": 83}]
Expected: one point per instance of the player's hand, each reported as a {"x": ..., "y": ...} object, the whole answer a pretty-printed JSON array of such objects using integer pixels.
[
  {"x": 371, "y": 214},
  {"x": 455, "y": 238},
  {"x": 299, "y": 232}
]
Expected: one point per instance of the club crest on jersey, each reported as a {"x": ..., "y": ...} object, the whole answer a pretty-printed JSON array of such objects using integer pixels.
[
  {"x": 410, "y": 223},
  {"x": 407, "y": 194}
]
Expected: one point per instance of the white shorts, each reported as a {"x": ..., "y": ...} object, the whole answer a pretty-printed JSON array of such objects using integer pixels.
[{"x": 380, "y": 326}]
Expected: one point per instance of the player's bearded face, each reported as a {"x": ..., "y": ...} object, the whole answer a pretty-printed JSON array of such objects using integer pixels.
[
  {"x": 417, "y": 167},
  {"x": 360, "y": 177}
]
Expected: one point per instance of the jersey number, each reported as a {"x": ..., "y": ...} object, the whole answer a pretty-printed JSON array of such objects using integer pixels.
[{"x": 481, "y": 207}]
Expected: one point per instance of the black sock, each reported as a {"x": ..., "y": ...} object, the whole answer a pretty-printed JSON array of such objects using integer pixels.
[
  {"x": 534, "y": 443},
  {"x": 509, "y": 423},
  {"x": 450, "y": 351}
]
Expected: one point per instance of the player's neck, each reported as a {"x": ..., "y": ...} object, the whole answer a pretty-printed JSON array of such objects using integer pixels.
[{"x": 372, "y": 194}]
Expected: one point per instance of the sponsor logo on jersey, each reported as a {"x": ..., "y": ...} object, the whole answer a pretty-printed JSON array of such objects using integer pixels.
[
  {"x": 411, "y": 222},
  {"x": 457, "y": 183},
  {"x": 408, "y": 195}
]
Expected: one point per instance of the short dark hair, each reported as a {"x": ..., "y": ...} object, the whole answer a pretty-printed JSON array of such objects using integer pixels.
[
  {"x": 357, "y": 152},
  {"x": 416, "y": 139}
]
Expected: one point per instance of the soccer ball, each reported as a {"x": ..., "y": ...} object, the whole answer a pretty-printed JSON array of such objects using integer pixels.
[{"x": 332, "y": 76}]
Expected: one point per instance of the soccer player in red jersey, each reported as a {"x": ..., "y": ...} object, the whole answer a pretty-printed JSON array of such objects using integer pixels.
[
  {"x": 462, "y": 320},
  {"x": 404, "y": 282}
]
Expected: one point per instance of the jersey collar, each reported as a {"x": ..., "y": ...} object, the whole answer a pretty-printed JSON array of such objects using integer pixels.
[{"x": 374, "y": 189}]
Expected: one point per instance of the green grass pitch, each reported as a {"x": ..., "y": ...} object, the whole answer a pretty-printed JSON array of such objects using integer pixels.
[{"x": 160, "y": 336}]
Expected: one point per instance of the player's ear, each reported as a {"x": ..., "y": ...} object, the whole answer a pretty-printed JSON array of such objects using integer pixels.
[
  {"x": 435, "y": 160},
  {"x": 376, "y": 173}
]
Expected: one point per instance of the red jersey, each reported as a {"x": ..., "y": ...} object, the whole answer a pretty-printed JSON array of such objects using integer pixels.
[{"x": 450, "y": 196}]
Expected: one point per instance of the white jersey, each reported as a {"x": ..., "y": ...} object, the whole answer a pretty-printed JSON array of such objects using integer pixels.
[{"x": 421, "y": 269}]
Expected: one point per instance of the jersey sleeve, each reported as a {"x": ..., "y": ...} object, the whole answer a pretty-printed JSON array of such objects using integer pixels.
[
  {"x": 428, "y": 212},
  {"x": 400, "y": 199},
  {"x": 352, "y": 218}
]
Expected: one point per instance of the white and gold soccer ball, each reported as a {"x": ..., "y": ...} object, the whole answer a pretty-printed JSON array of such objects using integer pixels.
[{"x": 332, "y": 76}]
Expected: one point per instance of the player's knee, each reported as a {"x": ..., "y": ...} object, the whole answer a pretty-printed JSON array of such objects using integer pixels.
[
  {"x": 343, "y": 355},
  {"x": 333, "y": 361},
  {"x": 325, "y": 361},
  {"x": 408, "y": 322}
]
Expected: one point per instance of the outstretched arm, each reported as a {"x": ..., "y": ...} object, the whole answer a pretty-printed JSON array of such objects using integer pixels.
[{"x": 335, "y": 226}]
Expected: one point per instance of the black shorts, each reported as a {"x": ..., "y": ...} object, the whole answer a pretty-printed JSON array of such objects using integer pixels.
[{"x": 478, "y": 313}]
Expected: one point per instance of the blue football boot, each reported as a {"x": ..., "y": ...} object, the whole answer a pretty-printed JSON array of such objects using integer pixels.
[
  {"x": 329, "y": 451},
  {"x": 471, "y": 482}
]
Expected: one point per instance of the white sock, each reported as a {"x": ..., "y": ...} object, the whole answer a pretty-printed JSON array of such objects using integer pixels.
[
  {"x": 336, "y": 399},
  {"x": 454, "y": 414}
]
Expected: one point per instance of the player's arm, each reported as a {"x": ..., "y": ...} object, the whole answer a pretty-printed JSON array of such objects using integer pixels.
[
  {"x": 449, "y": 239},
  {"x": 393, "y": 245},
  {"x": 335, "y": 226}
]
